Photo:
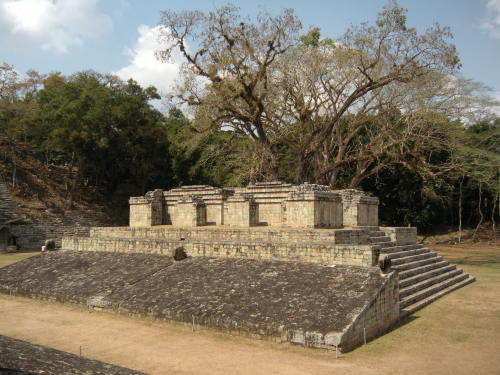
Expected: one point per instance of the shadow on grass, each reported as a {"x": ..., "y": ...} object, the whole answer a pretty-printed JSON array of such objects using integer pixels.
[
  {"x": 403, "y": 321},
  {"x": 474, "y": 261}
]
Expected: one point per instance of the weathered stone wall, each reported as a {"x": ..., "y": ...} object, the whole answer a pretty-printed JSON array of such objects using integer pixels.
[
  {"x": 359, "y": 209},
  {"x": 213, "y": 198},
  {"x": 269, "y": 196},
  {"x": 190, "y": 212},
  {"x": 313, "y": 209},
  {"x": 278, "y": 204},
  {"x": 377, "y": 317},
  {"x": 33, "y": 236},
  {"x": 146, "y": 211},
  {"x": 241, "y": 211},
  {"x": 361, "y": 255},
  {"x": 401, "y": 235},
  {"x": 140, "y": 212},
  {"x": 339, "y": 236}
]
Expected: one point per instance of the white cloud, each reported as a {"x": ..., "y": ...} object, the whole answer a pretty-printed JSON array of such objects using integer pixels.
[
  {"x": 144, "y": 67},
  {"x": 496, "y": 109},
  {"x": 491, "y": 23},
  {"x": 52, "y": 24}
]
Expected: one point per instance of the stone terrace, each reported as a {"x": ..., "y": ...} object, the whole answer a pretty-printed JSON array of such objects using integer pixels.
[
  {"x": 22, "y": 358},
  {"x": 302, "y": 303}
]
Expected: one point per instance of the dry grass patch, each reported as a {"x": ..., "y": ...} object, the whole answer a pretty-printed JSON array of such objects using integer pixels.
[{"x": 9, "y": 258}]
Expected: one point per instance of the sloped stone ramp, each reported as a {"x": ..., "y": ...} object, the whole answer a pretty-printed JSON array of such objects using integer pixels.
[
  {"x": 305, "y": 303},
  {"x": 23, "y": 358}
]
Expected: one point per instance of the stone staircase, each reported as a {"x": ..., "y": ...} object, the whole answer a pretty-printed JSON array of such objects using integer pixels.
[{"x": 424, "y": 276}]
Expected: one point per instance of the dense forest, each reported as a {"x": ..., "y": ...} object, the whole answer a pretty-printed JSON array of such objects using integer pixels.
[{"x": 381, "y": 108}]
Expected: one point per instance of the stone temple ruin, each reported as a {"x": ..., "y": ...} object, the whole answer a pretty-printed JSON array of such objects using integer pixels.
[{"x": 302, "y": 264}]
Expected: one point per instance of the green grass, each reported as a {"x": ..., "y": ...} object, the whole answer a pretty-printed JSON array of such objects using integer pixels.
[{"x": 9, "y": 258}]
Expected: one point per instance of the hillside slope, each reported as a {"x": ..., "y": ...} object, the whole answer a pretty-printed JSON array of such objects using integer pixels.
[{"x": 37, "y": 200}]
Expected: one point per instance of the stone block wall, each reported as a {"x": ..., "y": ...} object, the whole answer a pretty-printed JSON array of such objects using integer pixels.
[
  {"x": 259, "y": 234},
  {"x": 327, "y": 254},
  {"x": 269, "y": 197},
  {"x": 33, "y": 236},
  {"x": 359, "y": 209},
  {"x": 272, "y": 204},
  {"x": 313, "y": 209},
  {"x": 213, "y": 198},
  {"x": 377, "y": 317},
  {"x": 190, "y": 212},
  {"x": 140, "y": 212},
  {"x": 241, "y": 211},
  {"x": 401, "y": 235}
]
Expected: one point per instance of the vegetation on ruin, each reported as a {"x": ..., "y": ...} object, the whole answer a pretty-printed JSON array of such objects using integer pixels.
[{"x": 381, "y": 107}]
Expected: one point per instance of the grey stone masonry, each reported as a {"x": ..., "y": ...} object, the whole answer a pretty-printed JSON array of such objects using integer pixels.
[
  {"x": 359, "y": 209},
  {"x": 241, "y": 211},
  {"x": 273, "y": 204},
  {"x": 190, "y": 211},
  {"x": 313, "y": 209}
]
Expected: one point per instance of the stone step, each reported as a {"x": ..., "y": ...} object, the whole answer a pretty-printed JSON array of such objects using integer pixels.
[
  {"x": 384, "y": 245},
  {"x": 403, "y": 275},
  {"x": 414, "y": 288},
  {"x": 410, "y": 309},
  {"x": 412, "y": 258},
  {"x": 426, "y": 275},
  {"x": 381, "y": 239},
  {"x": 418, "y": 263},
  {"x": 427, "y": 292},
  {"x": 405, "y": 253},
  {"x": 376, "y": 233},
  {"x": 398, "y": 248}
]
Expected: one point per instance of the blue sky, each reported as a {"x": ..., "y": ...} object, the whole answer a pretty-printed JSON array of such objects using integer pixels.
[{"x": 118, "y": 35}]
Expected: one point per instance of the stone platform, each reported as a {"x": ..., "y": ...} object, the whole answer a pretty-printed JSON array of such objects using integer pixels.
[
  {"x": 304, "y": 303},
  {"x": 423, "y": 275},
  {"x": 324, "y": 246},
  {"x": 23, "y": 358}
]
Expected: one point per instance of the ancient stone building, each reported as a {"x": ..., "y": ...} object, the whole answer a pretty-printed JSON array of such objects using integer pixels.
[
  {"x": 301, "y": 264},
  {"x": 271, "y": 204}
]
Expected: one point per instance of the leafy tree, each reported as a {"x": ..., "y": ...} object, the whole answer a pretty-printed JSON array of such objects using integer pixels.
[{"x": 105, "y": 128}]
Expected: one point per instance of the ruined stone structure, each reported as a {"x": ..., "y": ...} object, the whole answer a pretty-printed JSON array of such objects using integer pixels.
[
  {"x": 303, "y": 264},
  {"x": 263, "y": 204}
]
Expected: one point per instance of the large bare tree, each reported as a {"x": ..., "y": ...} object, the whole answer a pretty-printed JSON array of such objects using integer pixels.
[
  {"x": 377, "y": 96},
  {"x": 228, "y": 71}
]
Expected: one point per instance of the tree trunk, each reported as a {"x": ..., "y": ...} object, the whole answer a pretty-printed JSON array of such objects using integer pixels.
[
  {"x": 14, "y": 174},
  {"x": 481, "y": 216},
  {"x": 460, "y": 210},
  {"x": 494, "y": 208}
]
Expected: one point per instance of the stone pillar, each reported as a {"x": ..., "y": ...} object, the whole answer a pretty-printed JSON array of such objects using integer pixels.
[
  {"x": 241, "y": 211},
  {"x": 146, "y": 211},
  {"x": 190, "y": 212},
  {"x": 360, "y": 210},
  {"x": 313, "y": 209}
]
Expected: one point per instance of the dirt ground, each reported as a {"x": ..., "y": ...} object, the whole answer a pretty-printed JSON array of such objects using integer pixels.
[{"x": 458, "y": 334}]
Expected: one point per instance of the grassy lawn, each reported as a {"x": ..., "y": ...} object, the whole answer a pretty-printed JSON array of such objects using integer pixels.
[
  {"x": 458, "y": 334},
  {"x": 9, "y": 258}
]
